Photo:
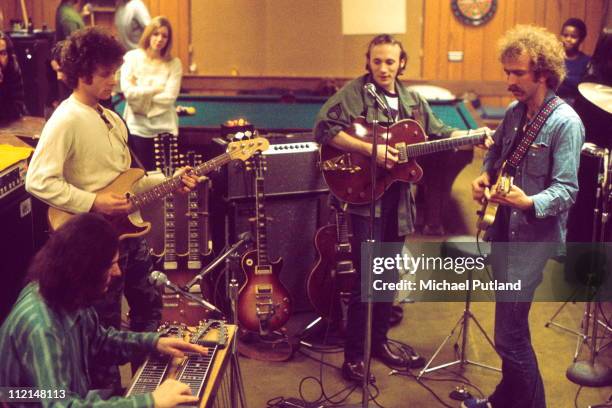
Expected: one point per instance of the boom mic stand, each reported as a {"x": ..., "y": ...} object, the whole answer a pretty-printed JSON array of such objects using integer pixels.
[
  {"x": 236, "y": 382},
  {"x": 245, "y": 238}
]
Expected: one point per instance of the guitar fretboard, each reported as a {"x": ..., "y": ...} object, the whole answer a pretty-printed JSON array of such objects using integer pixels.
[
  {"x": 341, "y": 227},
  {"x": 170, "y": 185},
  {"x": 170, "y": 262},
  {"x": 196, "y": 370},
  {"x": 151, "y": 375},
  {"x": 424, "y": 148},
  {"x": 260, "y": 218},
  {"x": 193, "y": 224}
]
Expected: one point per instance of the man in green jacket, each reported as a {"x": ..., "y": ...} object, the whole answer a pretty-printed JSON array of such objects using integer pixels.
[{"x": 395, "y": 215}]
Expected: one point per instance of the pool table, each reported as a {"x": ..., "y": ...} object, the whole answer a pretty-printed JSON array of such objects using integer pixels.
[{"x": 276, "y": 113}]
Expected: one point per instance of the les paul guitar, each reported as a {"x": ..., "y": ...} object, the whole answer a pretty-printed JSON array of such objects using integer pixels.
[
  {"x": 132, "y": 225},
  {"x": 264, "y": 304},
  {"x": 331, "y": 281},
  {"x": 488, "y": 212},
  {"x": 348, "y": 174}
]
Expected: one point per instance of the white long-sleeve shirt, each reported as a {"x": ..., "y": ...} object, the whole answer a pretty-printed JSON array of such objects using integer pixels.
[
  {"x": 148, "y": 112},
  {"x": 78, "y": 155}
]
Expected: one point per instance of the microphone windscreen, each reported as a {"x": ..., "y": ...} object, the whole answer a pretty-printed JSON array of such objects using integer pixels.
[
  {"x": 246, "y": 236},
  {"x": 158, "y": 278}
]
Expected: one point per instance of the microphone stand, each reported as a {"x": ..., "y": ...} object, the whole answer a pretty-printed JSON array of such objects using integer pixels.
[
  {"x": 237, "y": 393},
  {"x": 208, "y": 268},
  {"x": 367, "y": 346}
]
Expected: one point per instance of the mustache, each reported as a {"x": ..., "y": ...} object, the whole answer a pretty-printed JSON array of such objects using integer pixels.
[{"x": 514, "y": 89}]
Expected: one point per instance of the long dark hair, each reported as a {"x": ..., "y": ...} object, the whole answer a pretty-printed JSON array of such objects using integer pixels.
[
  {"x": 72, "y": 267},
  {"x": 13, "y": 65}
]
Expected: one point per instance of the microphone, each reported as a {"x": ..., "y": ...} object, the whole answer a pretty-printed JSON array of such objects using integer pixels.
[
  {"x": 591, "y": 149},
  {"x": 244, "y": 238},
  {"x": 370, "y": 88},
  {"x": 160, "y": 280}
]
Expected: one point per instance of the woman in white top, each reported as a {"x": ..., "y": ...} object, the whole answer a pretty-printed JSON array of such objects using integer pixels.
[{"x": 151, "y": 80}]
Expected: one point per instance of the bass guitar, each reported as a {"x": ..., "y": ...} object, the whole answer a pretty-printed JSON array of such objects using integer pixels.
[
  {"x": 264, "y": 304},
  {"x": 132, "y": 225},
  {"x": 348, "y": 174},
  {"x": 331, "y": 281},
  {"x": 488, "y": 211}
]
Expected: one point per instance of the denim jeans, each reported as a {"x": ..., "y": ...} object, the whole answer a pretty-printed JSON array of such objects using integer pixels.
[{"x": 521, "y": 385}]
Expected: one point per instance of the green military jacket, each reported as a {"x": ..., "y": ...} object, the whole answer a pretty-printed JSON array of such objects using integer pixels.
[{"x": 351, "y": 102}]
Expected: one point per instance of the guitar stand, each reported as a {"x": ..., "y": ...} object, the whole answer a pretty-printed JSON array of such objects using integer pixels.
[
  {"x": 236, "y": 384},
  {"x": 463, "y": 324},
  {"x": 314, "y": 328}
]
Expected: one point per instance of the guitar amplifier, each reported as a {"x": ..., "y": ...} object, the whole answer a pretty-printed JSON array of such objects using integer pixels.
[
  {"x": 12, "y": 178},
  {"x": 292, "y": 168}
]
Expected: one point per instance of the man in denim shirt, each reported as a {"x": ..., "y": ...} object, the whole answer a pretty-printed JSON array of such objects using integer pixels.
[{"x": 533, "y": 215}]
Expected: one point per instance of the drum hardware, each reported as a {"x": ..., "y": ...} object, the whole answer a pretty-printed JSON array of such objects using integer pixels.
[
  {"x": 598, "y": 94},
  {"x": 590, "y": 372}
]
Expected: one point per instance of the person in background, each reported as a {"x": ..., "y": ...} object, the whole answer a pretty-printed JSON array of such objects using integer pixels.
[
  {"x": 68, "y": 18},
  {"x": 59, "y": 89},
  {"x": 52, "y": 336},
  {"x": 131, "y": 18},
  {"x": 12, "y": 97},
  {"x": 151, "y": 80},
  {"x": 573, "y": 33}
]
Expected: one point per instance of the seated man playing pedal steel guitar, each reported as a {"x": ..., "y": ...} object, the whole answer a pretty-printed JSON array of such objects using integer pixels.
[
  {"x": 82, "y": 149},
  {"x": 52, "y": 337},
  {"x": 395, "y": 215},
  {"x": 539, "y": 141}
]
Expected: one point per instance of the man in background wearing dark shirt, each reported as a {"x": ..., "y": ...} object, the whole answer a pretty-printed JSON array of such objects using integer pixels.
[{"x": 573, "y": 33}]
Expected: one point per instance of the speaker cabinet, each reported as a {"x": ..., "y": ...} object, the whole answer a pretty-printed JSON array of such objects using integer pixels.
[
  {"x": 291, "y": 168},
  {"x": 291, "y": 227},
  {"x": 16, "y": 246},
  {"x": 33, "y": 53}
]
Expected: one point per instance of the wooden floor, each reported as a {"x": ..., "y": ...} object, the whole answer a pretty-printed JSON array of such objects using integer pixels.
[{"x": 311, "y": 374}]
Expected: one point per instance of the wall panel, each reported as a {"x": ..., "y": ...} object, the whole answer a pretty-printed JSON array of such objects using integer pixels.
[
  {"x": 442, "y": 33},
  {"x": 296, "y": 38}
]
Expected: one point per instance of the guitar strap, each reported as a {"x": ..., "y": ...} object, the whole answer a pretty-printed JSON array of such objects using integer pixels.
[
  {"x": 530, "y": 135},
  {"x": 100, "y": 111}
]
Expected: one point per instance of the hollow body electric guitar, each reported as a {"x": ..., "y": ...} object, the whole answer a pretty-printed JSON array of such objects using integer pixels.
[
  {"x": 132, "y": 225},
  {"x": 331, "y": 281},
  {"x": 348, "y": 174},
  {"x": 488, "y": 211},
  {"x": 264, "y": 304}
]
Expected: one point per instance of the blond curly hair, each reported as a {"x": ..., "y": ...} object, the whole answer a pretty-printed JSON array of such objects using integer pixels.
[{"x": 544, "y": 49}]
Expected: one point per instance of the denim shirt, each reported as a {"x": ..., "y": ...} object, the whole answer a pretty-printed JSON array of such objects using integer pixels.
[{"x": 548, "y": 174}]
